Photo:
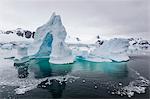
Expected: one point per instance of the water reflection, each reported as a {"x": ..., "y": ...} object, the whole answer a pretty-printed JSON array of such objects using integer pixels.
[
  {"x": 41, "y": 68},
  {"x": 22, "y": 69},
  {"x": 113, "y": 69},
  {"x": 55, "y": 87}
]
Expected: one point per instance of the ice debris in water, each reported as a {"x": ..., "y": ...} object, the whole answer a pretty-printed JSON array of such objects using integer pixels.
[
  {"x": 120, "y": 84},
  {"x": 60, "y": 79},
  {"x": 83, "y": 80},
  {"x": 137, "y": 86},
  {"x": 95, "y": 86}
]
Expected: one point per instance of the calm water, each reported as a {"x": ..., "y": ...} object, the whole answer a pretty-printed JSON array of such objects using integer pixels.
[{"x": 96, "y": 80}]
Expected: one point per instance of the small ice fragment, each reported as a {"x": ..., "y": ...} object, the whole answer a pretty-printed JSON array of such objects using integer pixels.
[
  {"x": 120, "y": 84},
  {"x": 83, "y": 80},
  {"x": 95, "y": 87},
  {"x": 112, "y": 93}
]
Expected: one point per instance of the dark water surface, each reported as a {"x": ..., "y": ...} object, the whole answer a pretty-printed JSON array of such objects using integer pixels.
[{"x": 96, "y": 80}]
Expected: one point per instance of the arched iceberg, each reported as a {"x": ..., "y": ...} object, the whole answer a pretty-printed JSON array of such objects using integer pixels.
[{"x": 50, "y": 42}]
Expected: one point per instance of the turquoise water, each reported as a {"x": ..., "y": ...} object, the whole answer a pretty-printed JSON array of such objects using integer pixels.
[
  {"x": 96, "y": 80},
  {"x": 116, "y": 70}
]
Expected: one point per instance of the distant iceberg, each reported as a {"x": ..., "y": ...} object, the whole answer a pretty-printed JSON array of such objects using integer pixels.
[{"x": 111, "y": 50}]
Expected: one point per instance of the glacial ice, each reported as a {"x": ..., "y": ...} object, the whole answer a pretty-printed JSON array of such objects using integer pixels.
[
  {"x": 50, "y": 41},
  {"x": 111, "y": 50}
]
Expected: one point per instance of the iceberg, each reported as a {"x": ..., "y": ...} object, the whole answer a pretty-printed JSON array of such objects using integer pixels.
[
  {"x": 111, "y": 50},
  {"x": 50, "y": 42}
]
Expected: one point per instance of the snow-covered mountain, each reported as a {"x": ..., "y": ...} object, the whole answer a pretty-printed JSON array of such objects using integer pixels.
[
  {"x": 12, "y": 38},
  {"x": 139, "y": 46},
  {"x": 139, "y": 43}
]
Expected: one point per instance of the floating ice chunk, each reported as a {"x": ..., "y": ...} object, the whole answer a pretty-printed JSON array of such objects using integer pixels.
[
  {"x": 95, "y": 86},
  {"x": 112, "y": 50},
  {"x": 137, "y": 86},
  {"x": 83, "y": 80},
  {"x": 120, "y": 84},
  {"x": 25, "y": 88}
]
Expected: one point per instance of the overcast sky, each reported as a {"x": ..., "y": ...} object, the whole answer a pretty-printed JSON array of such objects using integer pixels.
[{"x": 84, "y": 18}]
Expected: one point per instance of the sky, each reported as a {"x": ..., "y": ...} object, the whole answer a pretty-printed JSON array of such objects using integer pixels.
[{"x": 82, "y": 18}]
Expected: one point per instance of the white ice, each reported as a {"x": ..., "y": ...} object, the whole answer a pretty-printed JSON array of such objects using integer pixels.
[
  {"x": 54, "y": 45},
  {"x": 111, "y": 50}
]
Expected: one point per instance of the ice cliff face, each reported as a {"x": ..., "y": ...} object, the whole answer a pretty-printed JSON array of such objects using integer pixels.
[{"x": 51, "y": 37}]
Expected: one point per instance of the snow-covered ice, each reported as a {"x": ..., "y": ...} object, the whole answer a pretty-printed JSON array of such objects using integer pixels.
[{"x": 111, "y": 50}]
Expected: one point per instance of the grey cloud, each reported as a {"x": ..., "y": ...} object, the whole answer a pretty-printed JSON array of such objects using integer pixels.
[{"x": 121, "y": 16}]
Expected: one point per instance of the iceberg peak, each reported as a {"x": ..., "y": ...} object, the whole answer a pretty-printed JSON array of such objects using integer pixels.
[
  {"x": 53, "y": 25},
  {"x": 55, "y": 20}
]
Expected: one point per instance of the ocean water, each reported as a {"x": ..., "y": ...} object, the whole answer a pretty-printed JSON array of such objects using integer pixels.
[{"x": 38, "y": 79}]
